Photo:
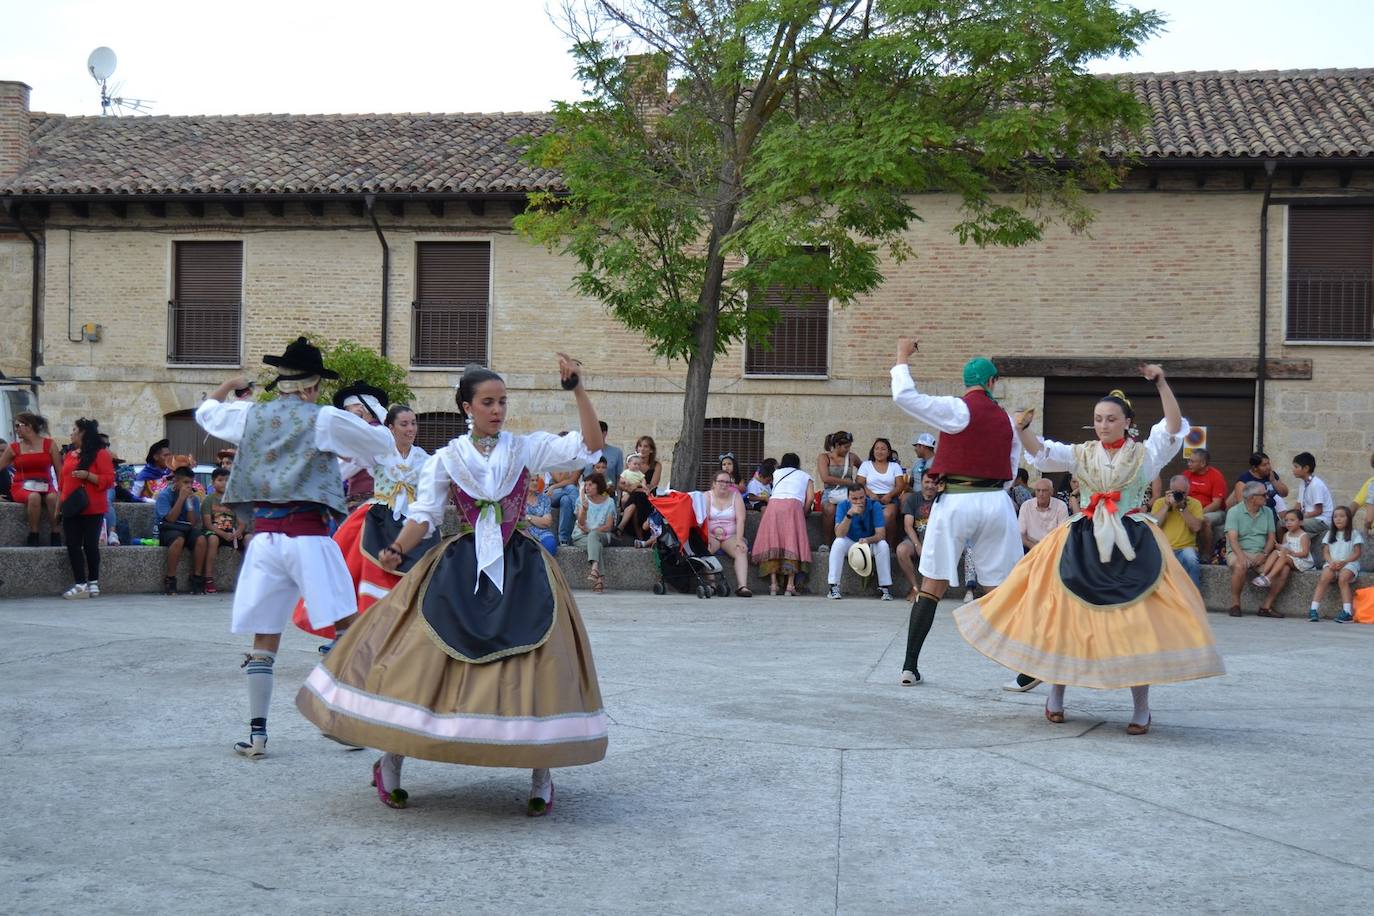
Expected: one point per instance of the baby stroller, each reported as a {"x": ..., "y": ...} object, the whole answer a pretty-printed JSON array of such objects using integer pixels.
[{"x": 680, "y": 551}]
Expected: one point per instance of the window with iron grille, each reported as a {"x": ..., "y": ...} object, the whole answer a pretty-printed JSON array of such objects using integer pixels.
[
  {"x": 1330, "y": 267},
  {"x": 185, "y": 437},
  {"x": 799, "y": 343},
  {"x": 742, "y": 438},
  {"x": 451, "y": 311},
  {"x": 205, "y": 314},
  {"x": 436, "y": 429}
]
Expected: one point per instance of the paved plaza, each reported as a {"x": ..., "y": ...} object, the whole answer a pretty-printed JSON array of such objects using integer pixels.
[{"x": 763, "y": 759}]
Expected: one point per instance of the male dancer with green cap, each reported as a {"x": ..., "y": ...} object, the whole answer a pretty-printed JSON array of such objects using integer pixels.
[{"x": 976, "y": 460}]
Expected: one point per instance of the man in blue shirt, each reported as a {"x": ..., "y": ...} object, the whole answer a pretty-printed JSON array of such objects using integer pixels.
[
  {"x": 859, "y": 520},
  {"x": 176, "y": 518}
]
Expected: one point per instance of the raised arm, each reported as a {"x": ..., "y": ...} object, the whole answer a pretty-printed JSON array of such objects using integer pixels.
[
  {"x": 586, "y": 414},
  {"x": 947, "y": 414}
]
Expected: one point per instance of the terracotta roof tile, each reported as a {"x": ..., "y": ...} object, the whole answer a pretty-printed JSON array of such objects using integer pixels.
[{"x": 1222, "y": 115}]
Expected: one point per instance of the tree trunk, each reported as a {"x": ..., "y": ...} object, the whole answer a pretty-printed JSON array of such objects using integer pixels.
[{"x": 687, "y": 452}]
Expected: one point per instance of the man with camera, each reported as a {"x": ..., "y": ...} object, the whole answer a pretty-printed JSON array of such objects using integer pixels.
[{"x": 1180, "y": 517}]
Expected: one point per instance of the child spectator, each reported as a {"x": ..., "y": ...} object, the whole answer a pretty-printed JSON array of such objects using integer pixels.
[
  {"x": 1294, "y": 552},
  {"x": 632, "y": 478},
  {"x": 760, "y": 486},
  {"x": 1313, "y": 494},
  {"x": 222, "y": 525},
  {"x": 178, "y": 519},
  {"x": 1343, "y": 546}
]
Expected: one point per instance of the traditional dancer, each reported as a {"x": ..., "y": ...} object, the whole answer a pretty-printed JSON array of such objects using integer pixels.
[
  {"x": 478, "y": 655},
  {"x": 369, "y": 403},
  {"x": 1101, "y": 602},
  {"x": 392, "y": 481},
  {"x": 287, "y": 469},
  {"x": 976, "y": 461}
]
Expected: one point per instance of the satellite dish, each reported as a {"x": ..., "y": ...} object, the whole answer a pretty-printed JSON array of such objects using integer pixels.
[{"x": 101, "y": 64}]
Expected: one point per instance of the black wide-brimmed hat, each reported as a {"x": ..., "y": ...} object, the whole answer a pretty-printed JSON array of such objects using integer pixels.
[
  {"x": 371, "y": 397},
  {"x": 302, "y": 359}
]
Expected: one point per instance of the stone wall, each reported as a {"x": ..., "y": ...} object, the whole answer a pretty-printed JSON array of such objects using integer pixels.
[
  {"x": 16, "y": 302},
  {"x": 1168, "y": 273}
]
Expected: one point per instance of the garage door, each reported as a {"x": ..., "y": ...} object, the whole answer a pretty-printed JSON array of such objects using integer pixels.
[{"x": 1225, "y": 406}]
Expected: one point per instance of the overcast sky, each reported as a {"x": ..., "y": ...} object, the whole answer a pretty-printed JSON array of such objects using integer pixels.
[{"x": 307, "y": 56}]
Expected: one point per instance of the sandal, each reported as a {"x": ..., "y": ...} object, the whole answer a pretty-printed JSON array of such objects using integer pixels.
[
  {"x": 773, "y": 590},
  {"x": 599, "y": 585},
  {"x": 790, "y": 593},
  {"x": 743, "y": 592},
  {"x": 1056, "y": 717},
  {"x": 1269, "y": 612},
  {"x": 1235, "y": 610}
]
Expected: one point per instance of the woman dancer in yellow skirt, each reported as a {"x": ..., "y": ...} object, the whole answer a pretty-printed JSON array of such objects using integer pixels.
[
  {"x": 1101, "y": 601},
  {"x": 478, "y": 655}
]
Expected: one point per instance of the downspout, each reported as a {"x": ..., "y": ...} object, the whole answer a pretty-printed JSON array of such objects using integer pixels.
[
  {"x": 370, "y": 201},
  {"x": 36, "y": 314},
  {"x": 1261, "y": 370}
]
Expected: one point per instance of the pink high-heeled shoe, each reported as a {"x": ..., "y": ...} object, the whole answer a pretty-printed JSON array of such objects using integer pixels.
[{"x": 396, "y": 798}]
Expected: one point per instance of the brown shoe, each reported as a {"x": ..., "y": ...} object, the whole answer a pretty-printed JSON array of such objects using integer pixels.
[
  {"x": 1133, "y": 729},
  {"x": 1235, "y": 610},
  {"x": 1269, "y": 612},
  {"x": 1056, "y": 717}
]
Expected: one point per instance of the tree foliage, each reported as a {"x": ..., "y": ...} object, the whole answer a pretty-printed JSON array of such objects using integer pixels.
[{"x": 794, "y": 141}]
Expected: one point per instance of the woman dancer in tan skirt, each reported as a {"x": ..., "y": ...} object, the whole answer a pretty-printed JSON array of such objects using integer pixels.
[{"x": 478, "y": 656}]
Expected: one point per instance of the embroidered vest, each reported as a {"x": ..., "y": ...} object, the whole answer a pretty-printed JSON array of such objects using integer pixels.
[
  {"x": 983, "y": 448},
  {"x": 278, "y": 462}
]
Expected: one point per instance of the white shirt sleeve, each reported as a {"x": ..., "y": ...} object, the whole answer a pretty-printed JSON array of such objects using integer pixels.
[
  {"x": 866, "y": 470},
  {"x": 547, "y": 452},
  {"x": 947, "y": 414},
  {"x": 223, "y": 420},
  {"x": 1160, "y": 447},
  {"x": 1015, "y": 453},
  {"x": 344, "y": 434},
  {"x": 431, "y": 493},
  {"x": 1053, "y": 457}
]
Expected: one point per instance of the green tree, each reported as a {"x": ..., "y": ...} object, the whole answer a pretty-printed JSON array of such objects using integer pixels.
[
  {"x": 796, "y": 133},
  {"x": 353, "y": 361}
]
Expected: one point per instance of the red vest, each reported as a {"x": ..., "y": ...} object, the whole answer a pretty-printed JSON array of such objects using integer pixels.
[{"x": 983, "y": 448}]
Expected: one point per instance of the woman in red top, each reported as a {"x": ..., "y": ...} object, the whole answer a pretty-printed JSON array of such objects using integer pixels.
[
  {"x": 34, "y": 457},
  {"x": 89, "y": 467}
]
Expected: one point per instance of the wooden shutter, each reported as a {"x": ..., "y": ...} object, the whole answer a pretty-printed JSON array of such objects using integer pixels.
[
  {"x": 186, "y": 437},
  {"x": 743, "y": 438},
  {"x": 1330, "y": 263},
  {"x": 451, "y": 311},
  {"x": 799, "y": 343},
  {"x": 205, "y": 316},
  {"x": 436, "y": 429}
]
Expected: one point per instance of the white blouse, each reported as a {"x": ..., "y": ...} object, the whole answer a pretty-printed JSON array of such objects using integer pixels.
[
  {"x": 790, "y": 483},
  {"x": 880, "y": 484}
]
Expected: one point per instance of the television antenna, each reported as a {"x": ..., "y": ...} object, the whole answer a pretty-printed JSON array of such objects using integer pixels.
[{"x": 101, "y": 66}]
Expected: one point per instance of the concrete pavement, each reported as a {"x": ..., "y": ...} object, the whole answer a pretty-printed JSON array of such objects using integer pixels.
[{"x": 763, "y": 759}]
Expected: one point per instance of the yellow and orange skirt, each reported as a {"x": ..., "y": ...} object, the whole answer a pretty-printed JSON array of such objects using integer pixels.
[{"x": 1151, "y": 631}]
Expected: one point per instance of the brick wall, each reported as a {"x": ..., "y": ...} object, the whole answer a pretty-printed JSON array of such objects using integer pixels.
[
  {"x": 1169, "y": 273},
  {"x": 14, "y": 128}
]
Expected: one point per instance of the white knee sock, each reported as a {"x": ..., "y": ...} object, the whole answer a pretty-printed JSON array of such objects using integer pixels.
[
  {"x": 257, "y": 665},
  {"x": 390, "y": 771},
  {"x": 1141, "y": 697},
  {"x": 541, "y": 784}
]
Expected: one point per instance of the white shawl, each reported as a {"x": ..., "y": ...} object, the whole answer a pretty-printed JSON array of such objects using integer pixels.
[{"x": 488, "y": 480}]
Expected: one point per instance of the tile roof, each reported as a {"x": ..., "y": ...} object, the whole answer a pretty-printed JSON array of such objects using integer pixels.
[
  {"x": 1207, "y": 115},
  {"x": 281, "y": 154},
  {"x": 1255, "y": 114}
]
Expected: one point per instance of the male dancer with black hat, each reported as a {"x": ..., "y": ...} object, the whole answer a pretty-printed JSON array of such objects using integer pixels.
[
  {"x": 287, "y": 469},
  {"x": 976, "y": 459}
]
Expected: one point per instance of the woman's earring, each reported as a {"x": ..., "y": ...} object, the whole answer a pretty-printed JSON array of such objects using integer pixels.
[{"x": 469, "y": 421}]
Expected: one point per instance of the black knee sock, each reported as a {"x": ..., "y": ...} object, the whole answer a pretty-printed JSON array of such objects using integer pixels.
[{"x": 922, "y": 617}]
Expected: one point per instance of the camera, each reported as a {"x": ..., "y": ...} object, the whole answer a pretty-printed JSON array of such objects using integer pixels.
[{"x": 1179, "y": 496}]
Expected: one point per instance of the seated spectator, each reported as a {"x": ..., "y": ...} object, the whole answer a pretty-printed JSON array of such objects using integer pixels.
[
  {"x": 1364, "y": 504},
  {"x": 1342, "y": 547},
  {"x": 924, "y": 446},
  {"x": 1039, "y": 516},
  {"x": 156, "y": 472},
  {"x": 881, "y": 477},
  {"x": 915, "y": 515},
  {"x": 222, "y": 525},
  {"x": 760, "y": 486},
  {"x": 1261, "y": 472},
  {"x": 225, "y": 457},
  {"x": 1021, "y": 490},
  {"x": 725, "y": 528},
  {"x": 730, "y": 466},
  {"x": 563, "y": 489},
  {"x": 1180, "y": 518},
  {"x": 1250, "y": 539},
  {"x": 36, "y": 459},
  {"x": 1208, "y": 487},
  {"x": 1295, "y": 553},
  {"x": 635, "y": 508},
  {"x": 595, "y": 521},
  {"x": 835, "y": 471},
  {"x": 1069, "y": 495},
  {"x": 539, "y": 514},
  {"x": 615, "y": 457},
  {"x": 859, "y": 520},
  {"x": 177, "y": 519},
  {"x": 1313, "y": 495},
  {"x": 632, "y": 478},
  {"x": 647, "y": 449}
]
